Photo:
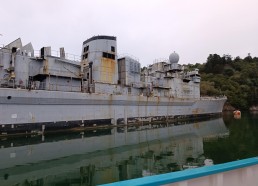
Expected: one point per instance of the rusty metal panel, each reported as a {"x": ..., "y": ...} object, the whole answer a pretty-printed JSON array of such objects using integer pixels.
[{"x": 108, "y": 69}]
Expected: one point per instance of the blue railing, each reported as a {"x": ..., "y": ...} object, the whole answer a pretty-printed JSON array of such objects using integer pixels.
[{"x": 173, "y": 177}]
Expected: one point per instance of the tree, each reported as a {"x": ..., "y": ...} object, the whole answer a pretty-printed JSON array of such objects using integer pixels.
[
  {"x": 213, "y": 64},
  {"x": 228, "y": 72},
  {"x": 236, "y": 78}
]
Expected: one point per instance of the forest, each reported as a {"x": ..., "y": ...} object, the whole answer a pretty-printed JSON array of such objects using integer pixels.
[{"x": 236, "y": 78}]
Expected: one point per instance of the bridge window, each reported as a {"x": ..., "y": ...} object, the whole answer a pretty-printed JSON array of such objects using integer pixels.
[
  {"x": 86, "y": 48},
  {"x": 85, "y": 56},
  {"x": 108, "y": 55},
  {"x": 113, "y": 49}
]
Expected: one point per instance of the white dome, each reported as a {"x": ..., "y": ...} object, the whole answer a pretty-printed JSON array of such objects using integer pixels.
[{"x": 173, "y": 58}]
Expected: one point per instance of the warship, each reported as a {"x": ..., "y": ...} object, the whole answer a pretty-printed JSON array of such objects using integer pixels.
[{"x": 53, "y": 89}]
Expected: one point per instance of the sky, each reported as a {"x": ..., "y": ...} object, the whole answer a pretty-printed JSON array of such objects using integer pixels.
[{"x": 146, "y": 29}]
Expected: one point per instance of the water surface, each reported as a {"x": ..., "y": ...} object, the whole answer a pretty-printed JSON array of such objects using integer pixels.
[{"x": 109, "y": 155}]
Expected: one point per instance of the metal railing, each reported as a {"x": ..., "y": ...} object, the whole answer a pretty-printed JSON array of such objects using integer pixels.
[
  {"x": 213, "y": 97},
  {"x": 36, "y": 85},
  {"x": 127, "y": 55},
  {"x": 56, "y": 53},
  {"x": 64, "y": 88},
  {"x": 160, "y": 60}
]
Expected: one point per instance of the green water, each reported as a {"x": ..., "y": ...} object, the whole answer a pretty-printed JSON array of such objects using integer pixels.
[
  {"x": 109, "y": 155},
  {"x": 240, "y": 144}
]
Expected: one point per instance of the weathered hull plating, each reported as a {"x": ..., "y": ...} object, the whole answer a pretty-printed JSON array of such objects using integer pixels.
[
  {"x": 23, "y": 107},
  {"x": 58, "y": 92}
]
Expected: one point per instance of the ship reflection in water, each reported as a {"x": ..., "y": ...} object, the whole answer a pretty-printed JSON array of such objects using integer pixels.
[{"x": 106, "y": 155}]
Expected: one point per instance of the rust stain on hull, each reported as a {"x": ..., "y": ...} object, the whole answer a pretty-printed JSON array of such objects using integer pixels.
[
  {"x": 197, "y": 111},
  {"x": 108, "y": 67}
]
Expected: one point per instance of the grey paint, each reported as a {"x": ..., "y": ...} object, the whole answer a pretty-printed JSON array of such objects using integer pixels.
[{"x": 67, "y": 95}]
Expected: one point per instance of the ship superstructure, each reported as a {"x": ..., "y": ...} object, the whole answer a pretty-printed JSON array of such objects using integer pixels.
[{"x": 98, "y": 86}]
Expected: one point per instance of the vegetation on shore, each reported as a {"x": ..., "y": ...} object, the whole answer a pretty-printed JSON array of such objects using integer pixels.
[{"x": 236, "y": 78}]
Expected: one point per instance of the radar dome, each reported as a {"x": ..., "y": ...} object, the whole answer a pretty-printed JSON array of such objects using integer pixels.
[{"x": 174, "y": 57}]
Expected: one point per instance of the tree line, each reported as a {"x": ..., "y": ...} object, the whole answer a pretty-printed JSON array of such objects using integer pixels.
[{"x": 236, "y": 78}]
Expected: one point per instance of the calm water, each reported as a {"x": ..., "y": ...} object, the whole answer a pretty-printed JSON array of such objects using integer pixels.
[{"x": 109, "y": 155}]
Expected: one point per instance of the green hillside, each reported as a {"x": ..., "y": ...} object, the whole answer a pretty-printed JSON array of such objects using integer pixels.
[{"x": 236, "y": 78}]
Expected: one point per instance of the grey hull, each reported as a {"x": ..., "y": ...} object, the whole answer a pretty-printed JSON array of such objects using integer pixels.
[{"x": 18, "y": 106}]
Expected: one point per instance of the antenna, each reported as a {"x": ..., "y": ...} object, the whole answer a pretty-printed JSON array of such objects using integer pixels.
[{"x": 1, "y": 45}]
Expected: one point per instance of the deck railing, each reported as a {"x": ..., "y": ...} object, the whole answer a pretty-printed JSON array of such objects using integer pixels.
[
  {"x": 56, "y": 53},
  {"x": 237, "y": 173}
]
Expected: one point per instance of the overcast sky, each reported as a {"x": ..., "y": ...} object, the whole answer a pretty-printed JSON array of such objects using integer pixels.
[{"x": 146, "y": 29}]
